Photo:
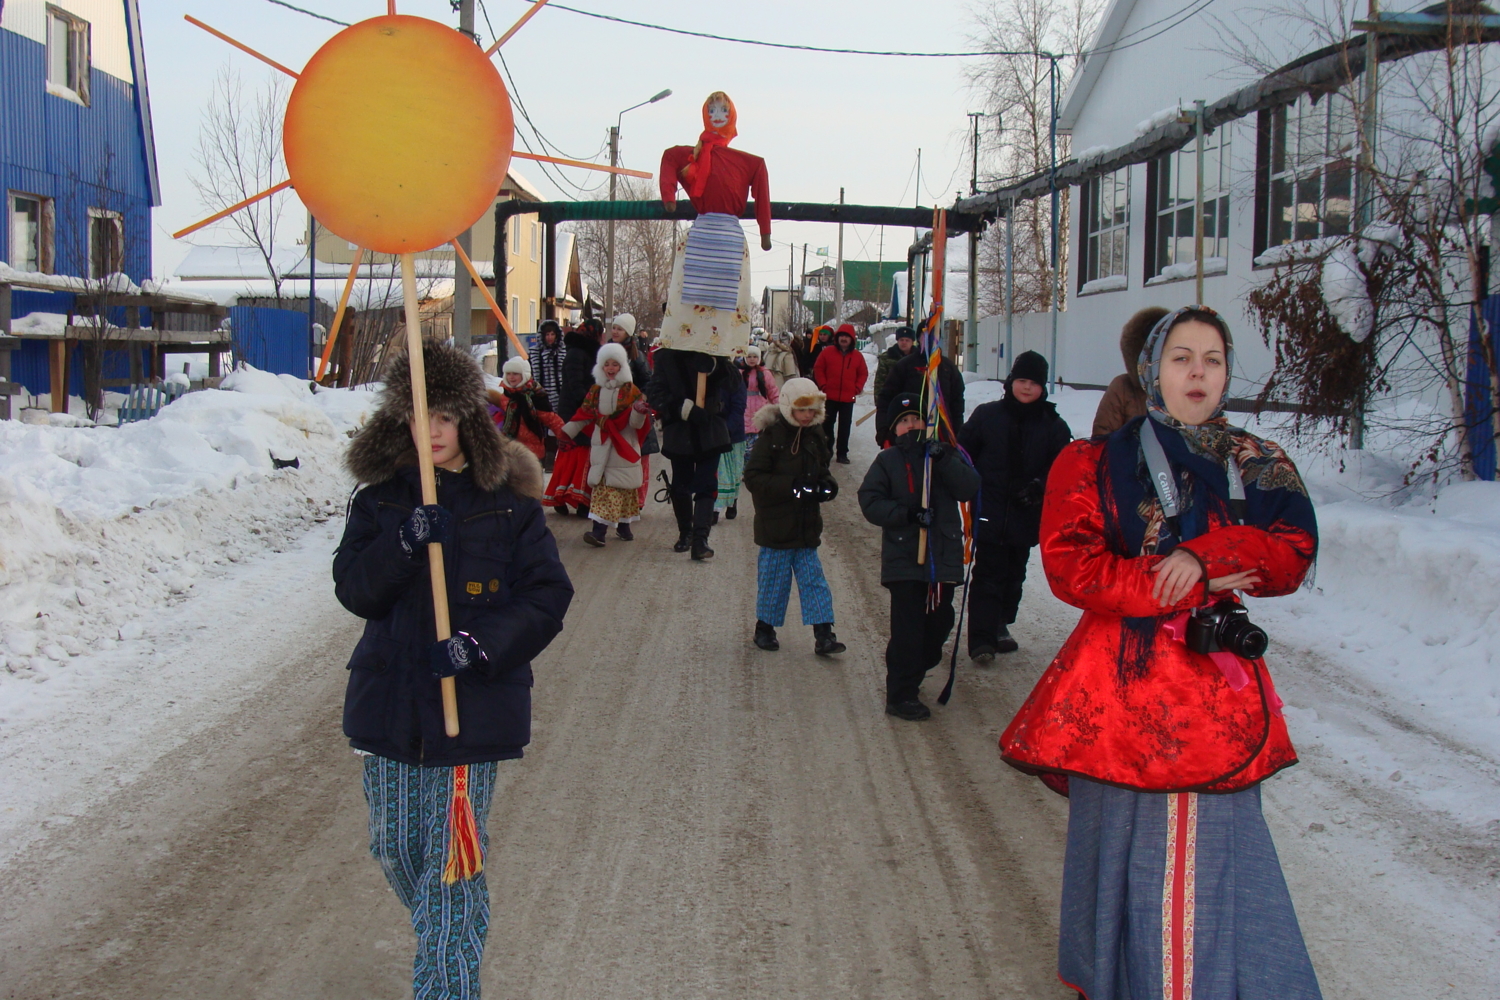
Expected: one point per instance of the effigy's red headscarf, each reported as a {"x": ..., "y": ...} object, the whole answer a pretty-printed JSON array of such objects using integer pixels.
[{"x": 695, "y": 174}]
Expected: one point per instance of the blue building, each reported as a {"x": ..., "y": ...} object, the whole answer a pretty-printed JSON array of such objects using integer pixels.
[{"x": 77, "y": 159}]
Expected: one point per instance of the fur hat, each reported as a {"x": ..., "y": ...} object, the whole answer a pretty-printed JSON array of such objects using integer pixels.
[
  {"x": 905, "y": 333},
  {"x": 904, "y": 403},
  {"x": 752, "y": 352},
  {"x": 1133, "y": 337},
  {"x": 611, "y": 352},
  {"x": 1028, "y": 365},
  {"x": 625, "y": 321},
  {"x": 517, "y": 364},
  {"x": 799, "y": 394},
  {"x": 455, "y": 386}
]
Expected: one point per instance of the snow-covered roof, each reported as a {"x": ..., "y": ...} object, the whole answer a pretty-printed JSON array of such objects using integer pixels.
[
  {"x": 520, "y": 183},
  {"x": 210, "y": 263}
]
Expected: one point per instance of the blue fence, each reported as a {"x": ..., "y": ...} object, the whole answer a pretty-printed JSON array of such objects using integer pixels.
[
  {"x": 273, "y": 340},
  {"x": 1479, "y": 407}
]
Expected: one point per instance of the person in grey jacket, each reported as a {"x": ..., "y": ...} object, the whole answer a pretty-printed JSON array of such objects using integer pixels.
[{"x": 891, "y": 497}]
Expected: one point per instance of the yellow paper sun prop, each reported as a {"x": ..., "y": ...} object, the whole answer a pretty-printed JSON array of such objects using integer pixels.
[{"x": 370, "y": 160}]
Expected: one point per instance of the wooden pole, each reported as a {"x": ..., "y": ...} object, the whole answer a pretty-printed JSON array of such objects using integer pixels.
[
  {"x": 423, "y": 443},
  {"x": 930, "y": 381},
  {"x": 702, "y": 388}
]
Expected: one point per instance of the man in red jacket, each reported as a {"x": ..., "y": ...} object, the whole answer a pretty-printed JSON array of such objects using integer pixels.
[{"x": 841, "y": 374}]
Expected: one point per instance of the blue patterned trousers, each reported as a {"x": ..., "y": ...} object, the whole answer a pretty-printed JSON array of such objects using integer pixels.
[
  {"x": 409, "y": 837},
  {"x": 774, "y": 586}
]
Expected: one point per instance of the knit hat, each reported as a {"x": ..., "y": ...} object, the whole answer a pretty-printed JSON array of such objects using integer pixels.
[
  {"x": 611, "y": 352},
  {"x": 1029, "y": 365},
  {"x": 904, "y": 403},
  {"x": 801, "y": 394},
  {"x": 517, "y": 364},
  {"x": 626, "y": 322},
  {"x": 752, "y": 353}
]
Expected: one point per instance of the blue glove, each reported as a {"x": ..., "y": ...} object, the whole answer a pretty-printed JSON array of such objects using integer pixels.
[
  {"x": 426, "y": 525},
  {"x": 456, "y": 654}
]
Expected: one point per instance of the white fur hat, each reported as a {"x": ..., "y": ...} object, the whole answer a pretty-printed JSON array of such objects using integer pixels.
[
  {"x": 753, "y": 352},
  {"x": 625, "y": 321},
  {"x": 611, "y": 352},
  {"x": 800, "y": 394},
  {"x": 517, "y": 364}
]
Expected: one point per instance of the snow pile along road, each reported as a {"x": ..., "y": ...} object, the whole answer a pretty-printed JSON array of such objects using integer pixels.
[{"x": 98, "y": 524}]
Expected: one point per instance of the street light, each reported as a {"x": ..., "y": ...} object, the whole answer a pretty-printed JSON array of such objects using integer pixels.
[{"x": 614, "y": 161}]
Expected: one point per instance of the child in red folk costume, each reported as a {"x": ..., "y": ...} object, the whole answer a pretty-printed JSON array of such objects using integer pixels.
[
  {"x": 841, "y": 374},
  {"x": 521, "y": 409},
  {"x": 614, "y": 413},
  {"x": 1158, "y": 718},
  {"x": 507, "y": 594}
]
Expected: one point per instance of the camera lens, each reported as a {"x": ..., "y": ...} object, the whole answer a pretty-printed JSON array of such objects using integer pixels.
[{"x": 1243, "y": 638}]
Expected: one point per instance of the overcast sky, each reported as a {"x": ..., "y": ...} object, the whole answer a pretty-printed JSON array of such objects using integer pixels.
[{"x": 821, "y": 121}]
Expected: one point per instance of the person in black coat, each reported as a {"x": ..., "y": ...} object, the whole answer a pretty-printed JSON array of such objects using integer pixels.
[
  {"x": 692, "y": 437},
  {"x": 1012, "y": 442},
  {"x": 580, "y": 348},
  {"x": 907, "y": 376},
  {"x": 507, "y": 595}
]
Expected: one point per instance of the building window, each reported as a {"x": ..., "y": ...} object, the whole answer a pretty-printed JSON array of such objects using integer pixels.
[
  {"x": 531, "y": 317},
  {"x": 30, "y": 233},
  {"x": 515, "y": 235},
  {"x": 1105, "y": 210},
  {"x": 1172, "y": 193},
  {"x": 1305, "y": 171},
  {"x": 515, "y": 309},
  {"x": 533, "y": 240},
  {"x": 106, "y": 243},
  {"x": 67, "y": 55}
]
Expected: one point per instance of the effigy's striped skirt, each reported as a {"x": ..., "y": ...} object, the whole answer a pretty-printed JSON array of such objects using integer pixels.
[
  {"x": 712, "y": 261},
  {"x": 708, "y": 299}
]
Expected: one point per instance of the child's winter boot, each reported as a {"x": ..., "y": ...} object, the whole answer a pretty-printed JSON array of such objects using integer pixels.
[
  {"x": 825, "y": 642},
  {"x": 595, "y": 535},
  {"x": 765, "y": 637}
]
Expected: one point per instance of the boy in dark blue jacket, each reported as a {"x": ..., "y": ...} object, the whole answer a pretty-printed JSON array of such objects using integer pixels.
[{"x": 507, "y": 593}]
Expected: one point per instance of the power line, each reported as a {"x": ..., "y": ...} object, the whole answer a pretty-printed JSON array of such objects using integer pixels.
[{"x": 309, "y": 13}]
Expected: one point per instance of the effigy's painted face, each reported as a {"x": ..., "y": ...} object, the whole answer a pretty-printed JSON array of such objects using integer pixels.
[{"x": 718, "y": 114}]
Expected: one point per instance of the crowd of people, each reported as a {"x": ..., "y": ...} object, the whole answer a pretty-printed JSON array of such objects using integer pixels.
[{"x": 1157, "y": 717}]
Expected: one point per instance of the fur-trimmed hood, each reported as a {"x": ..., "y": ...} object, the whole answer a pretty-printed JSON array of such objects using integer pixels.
[
  {"x": 455, "y": 386},
  {"x": 796, "y": 394},
  {"x": 1133, "y": 338},
  {"x": 612, "y": 352}
]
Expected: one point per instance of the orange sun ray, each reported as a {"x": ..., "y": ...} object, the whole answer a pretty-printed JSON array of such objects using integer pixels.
[
  {"x": 582, "y": 163},
  {"x": 240, "y": 45},
  {"x": 536, "y": 6},
  {"x": 232, "y": 209},
  {"x": 338, "y": 315},
  {"x": 494, "y": 306}
]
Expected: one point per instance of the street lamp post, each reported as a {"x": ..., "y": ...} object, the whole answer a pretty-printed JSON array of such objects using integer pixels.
[{"x": 614, "y": 161}]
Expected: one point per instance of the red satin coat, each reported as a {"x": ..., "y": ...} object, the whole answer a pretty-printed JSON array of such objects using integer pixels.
[
  {"x": 734, "y": 175},
  {"x": 1178, "y": 726}
]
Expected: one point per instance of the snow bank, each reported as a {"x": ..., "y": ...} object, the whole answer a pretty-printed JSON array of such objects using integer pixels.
[{"x": 100, "y": 523}]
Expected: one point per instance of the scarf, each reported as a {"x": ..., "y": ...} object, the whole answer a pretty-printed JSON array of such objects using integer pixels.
[
  {"x": 616, "y": 397},
  {"x": 521, "y": 405},
  {"x": 695, "y": 174}
]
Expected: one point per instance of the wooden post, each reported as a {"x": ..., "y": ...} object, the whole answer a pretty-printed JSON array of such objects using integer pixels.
[
  {"x": 57, "y": 368},
  {"x": 702, "y": 388},
  {"x": 420, "y": 438}
]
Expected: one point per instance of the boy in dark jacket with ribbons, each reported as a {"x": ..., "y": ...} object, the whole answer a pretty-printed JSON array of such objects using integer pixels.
[
  {"x": 787, "y": 475},
  {"x": 921, "y": 592},
  {"x": 507, "y": 594},
  {"x": 1012, "y": 442}
]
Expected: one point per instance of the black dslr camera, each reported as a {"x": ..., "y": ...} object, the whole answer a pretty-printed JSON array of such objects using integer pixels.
[{"x": 1226, "y": 627}]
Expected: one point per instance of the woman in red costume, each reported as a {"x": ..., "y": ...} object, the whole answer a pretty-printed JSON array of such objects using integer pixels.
[
  {"x": 708, "y": 308},
  {"x": 1171, "y": 886}
]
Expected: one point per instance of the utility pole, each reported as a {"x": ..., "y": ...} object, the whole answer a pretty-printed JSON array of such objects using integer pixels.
[
  {"x": 1056, "y": 295},
  {"x": 838, "y": 275},
  {"x": 791, "y": 301},
  {"x": 609, "y": 279},
  {"x": 463, "y": 287},
  {"x": 312, "y": 290},
  {"x": 802, "y": 285},
  {"x": 971, "y": 345},
  {"x": 1198, "y": 206}
]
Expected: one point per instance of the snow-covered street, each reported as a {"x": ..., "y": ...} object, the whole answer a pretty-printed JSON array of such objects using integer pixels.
[{"x": 181, "y": 817}]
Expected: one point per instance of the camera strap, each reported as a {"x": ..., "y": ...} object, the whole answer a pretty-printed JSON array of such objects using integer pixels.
[{"x": 1165, "y": 483}]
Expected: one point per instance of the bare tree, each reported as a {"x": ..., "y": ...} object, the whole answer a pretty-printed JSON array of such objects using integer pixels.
[
  {"x": 1019, "y": 89},
  {"x": 643, "y": 257},
  {"x": 239, "y": 155}
]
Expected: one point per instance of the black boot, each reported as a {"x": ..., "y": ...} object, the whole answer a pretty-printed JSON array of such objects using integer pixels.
[
  {"x": 703, "y": 519},
  {"x": 731, "y": 512},
  {"x": 765, "y": 637},
  {"x": 682, "y": 506},
  {"x": 825, "y": 643},
  {"x": 623, "y": 530},
  {"x": 595, "y": 535},
  {"x": 1007, "y": 642}
]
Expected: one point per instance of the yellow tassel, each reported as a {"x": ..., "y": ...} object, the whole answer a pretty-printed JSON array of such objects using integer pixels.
[{"x": 464, "y": 857}]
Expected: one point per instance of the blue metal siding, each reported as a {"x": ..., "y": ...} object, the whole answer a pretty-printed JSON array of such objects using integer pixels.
[
  {"x": 273, "y": 340},
  {"x": 82, "y": 157}
]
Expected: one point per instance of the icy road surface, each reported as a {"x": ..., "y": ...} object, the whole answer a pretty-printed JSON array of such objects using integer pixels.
[{"x": 694, "y": 819}]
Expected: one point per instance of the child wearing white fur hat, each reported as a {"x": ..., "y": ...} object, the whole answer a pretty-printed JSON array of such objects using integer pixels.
[
  {"x": 614, "y": 413},
  {"x": 521, "y": 408}
]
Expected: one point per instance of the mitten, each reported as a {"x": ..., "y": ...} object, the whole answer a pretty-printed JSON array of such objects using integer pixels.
[
  {"x": 938, "y": 451},
  {"x": 1031, "y": 494},
  {"x": 457, "y": 653},
  {"x": 826, "y": 490},
  {"x": 427, "y": 525},
  {"x": 920, "y": 516}
]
